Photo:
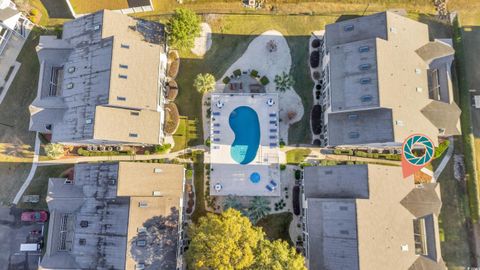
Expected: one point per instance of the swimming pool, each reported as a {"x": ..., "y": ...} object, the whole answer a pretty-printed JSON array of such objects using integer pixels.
[{"x": 245, "y": 124}]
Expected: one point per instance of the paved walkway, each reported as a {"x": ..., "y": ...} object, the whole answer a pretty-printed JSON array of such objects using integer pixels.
[
  {"x": 316, "y": 154},
  {"x": 74, "y": 160},
  {"x": 32, "y": 171},
  {"x": 445, "y": 159}
]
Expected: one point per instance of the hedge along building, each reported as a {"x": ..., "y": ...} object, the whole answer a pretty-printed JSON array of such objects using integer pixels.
[
  {"x": 382, "y": 80},
  {"x": 103, "y": 82}
]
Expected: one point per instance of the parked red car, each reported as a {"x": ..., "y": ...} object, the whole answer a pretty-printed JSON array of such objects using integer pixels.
[{"x": 35, "y": 216}]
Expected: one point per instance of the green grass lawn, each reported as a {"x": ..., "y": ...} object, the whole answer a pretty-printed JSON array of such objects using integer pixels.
[
  {"x": 39, "y": 185},
  {"x": 455, "y": 247},
  {"x": 186, "y": 134},
  {"x": 199, "y": 188},
  {"x": 296, "y": 156},
  {"x": 89, "y": 6},
  {"x": 16, "y": 141},
  {"x": 276, "y": 226}
]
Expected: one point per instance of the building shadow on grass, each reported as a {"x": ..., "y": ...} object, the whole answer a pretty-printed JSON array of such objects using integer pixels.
[{"x": 57, "y": 9}]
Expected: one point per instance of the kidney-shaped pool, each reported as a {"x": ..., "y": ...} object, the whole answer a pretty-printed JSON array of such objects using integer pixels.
[{"x": 246, "y": 126}]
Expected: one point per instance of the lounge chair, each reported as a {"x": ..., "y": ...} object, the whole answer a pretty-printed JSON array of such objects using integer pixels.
[
  {"x": 273, "y": 122},
  {"x": 269, "y": 188},
  {"x": 273, "y": 130},
  {"x": 273, "y": 137},
  {"x": 216, "y": 132},
  {"x": 273, "y": 183},
  {"x": 273, "y": 145}
]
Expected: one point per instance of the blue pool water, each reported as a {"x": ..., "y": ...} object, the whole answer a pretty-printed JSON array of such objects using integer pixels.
[
  {"x": 246, "y": 126},
  {"x": 255, "y": 177}
]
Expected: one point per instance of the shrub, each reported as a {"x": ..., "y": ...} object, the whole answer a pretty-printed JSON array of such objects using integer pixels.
[
  {"x": 264, "y": 80},
  {"x": 254, "y": 73},
  {"x": 441, "y": 149},
  {"x": 282, "y": 143},
  {"x": 360, "y": 154},
  {"x": 317, "y": 119},
  {"x": 315, "y": 59},
  {"x": 283, "y": 167},
  {"x": 207, "y": 142},
  {"x": 237, "y": 72},
  {"x": 226, "y": 80},
  {"x": 146, "y": 152},
  {"x": 159, "y": 149},
  {"x": 337, "y": 152},
  {"x": 54, "y": 150},
  {"x": 298, "y": 174}
]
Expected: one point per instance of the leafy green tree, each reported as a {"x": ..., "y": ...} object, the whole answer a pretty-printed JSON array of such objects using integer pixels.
[
  {"x": 283, "y": 81},
  {"x": 229, "y": 241},
  {"x": 226, "y": 241},
  {"x": 204, "y": 82},
  {"x": 259, "y": 208},
  {"x": 54, "y": 150},
  {"x": 278, "y": 255},
  {"x": 182, "y": 28}
]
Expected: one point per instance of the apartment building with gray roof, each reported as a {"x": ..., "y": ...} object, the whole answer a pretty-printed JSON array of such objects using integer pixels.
[
  {"x": 124, "y": 216},
  {"x": 102, "y": 82},
  {"x": 368, "y": 217},
  {"x": 383, "y": 80}
]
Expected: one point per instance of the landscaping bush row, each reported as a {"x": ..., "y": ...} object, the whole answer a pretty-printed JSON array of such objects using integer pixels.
[
  {"x": 359, "y": 153},
  {"x": 442, "y": 147}
]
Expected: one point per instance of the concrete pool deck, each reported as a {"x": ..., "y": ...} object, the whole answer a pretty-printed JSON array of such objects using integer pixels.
[{"x": 233, "y": 177}]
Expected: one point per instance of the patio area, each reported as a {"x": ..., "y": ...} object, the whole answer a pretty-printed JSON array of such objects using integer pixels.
[{"x": 244, "y": 83}]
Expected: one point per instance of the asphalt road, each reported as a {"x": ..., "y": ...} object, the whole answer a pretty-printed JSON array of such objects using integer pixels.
[{"x": 12, "y": 234}]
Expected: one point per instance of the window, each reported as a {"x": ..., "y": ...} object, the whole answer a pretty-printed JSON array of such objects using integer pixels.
[
  {"x": 345, "y": 232},
  {"x": 328, "y": 172},
  {"x": 352, "y": 117},
  {"x": 82, "y": 241},
  {"x": 365, "y": 80},
  {"x": 142, "y": 204},
  {"x": 419, "y": 89},
  {"x": 125, "y": 46},
  {"x": 348, "y": 28},
  {"x": 48, "y": 127},
  {"x": 69, "y": 85},
  {"x": 133, "y": 135},
  {"x": 121, "y": 98},
  {"x": 123, "y": 66},
  {"x": 88, "y": 121},
  {"x": 157, "y": 170},
  {"x": 366, "y": 98},
  {"x": 141, "y": 243},
  {"x": 354, "y": 135},
  {"x": 96, "y": 27},
  {"x": 122, "y": 76},
  {"x": 135, "y": 113},
  {"x": 364, "y": 49},
  {"x": 399, "y": 122},
  {"x": 141, "y": 230},
  {"x": 157, "y": 193},
  {"x": 71, "y": 69},
  {"x": 68, "y": 182},
  {"x": 418, "y": 71},
  {"x": 364, "y": 66},
  {"x": 419, "y": 236},
  {"x": 343, "y": 208}
]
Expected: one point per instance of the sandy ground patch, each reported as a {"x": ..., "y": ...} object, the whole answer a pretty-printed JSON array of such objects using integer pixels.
[
  {"x": 271, "y": 63},
  {"x": 204, "y": 41}
]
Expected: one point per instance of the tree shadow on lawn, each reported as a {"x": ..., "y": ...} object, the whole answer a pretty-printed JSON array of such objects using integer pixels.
[{"x": 225, "y": 50}]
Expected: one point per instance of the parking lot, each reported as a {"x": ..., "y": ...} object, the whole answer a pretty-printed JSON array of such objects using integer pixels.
[{"x": 13, "y": 232}]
